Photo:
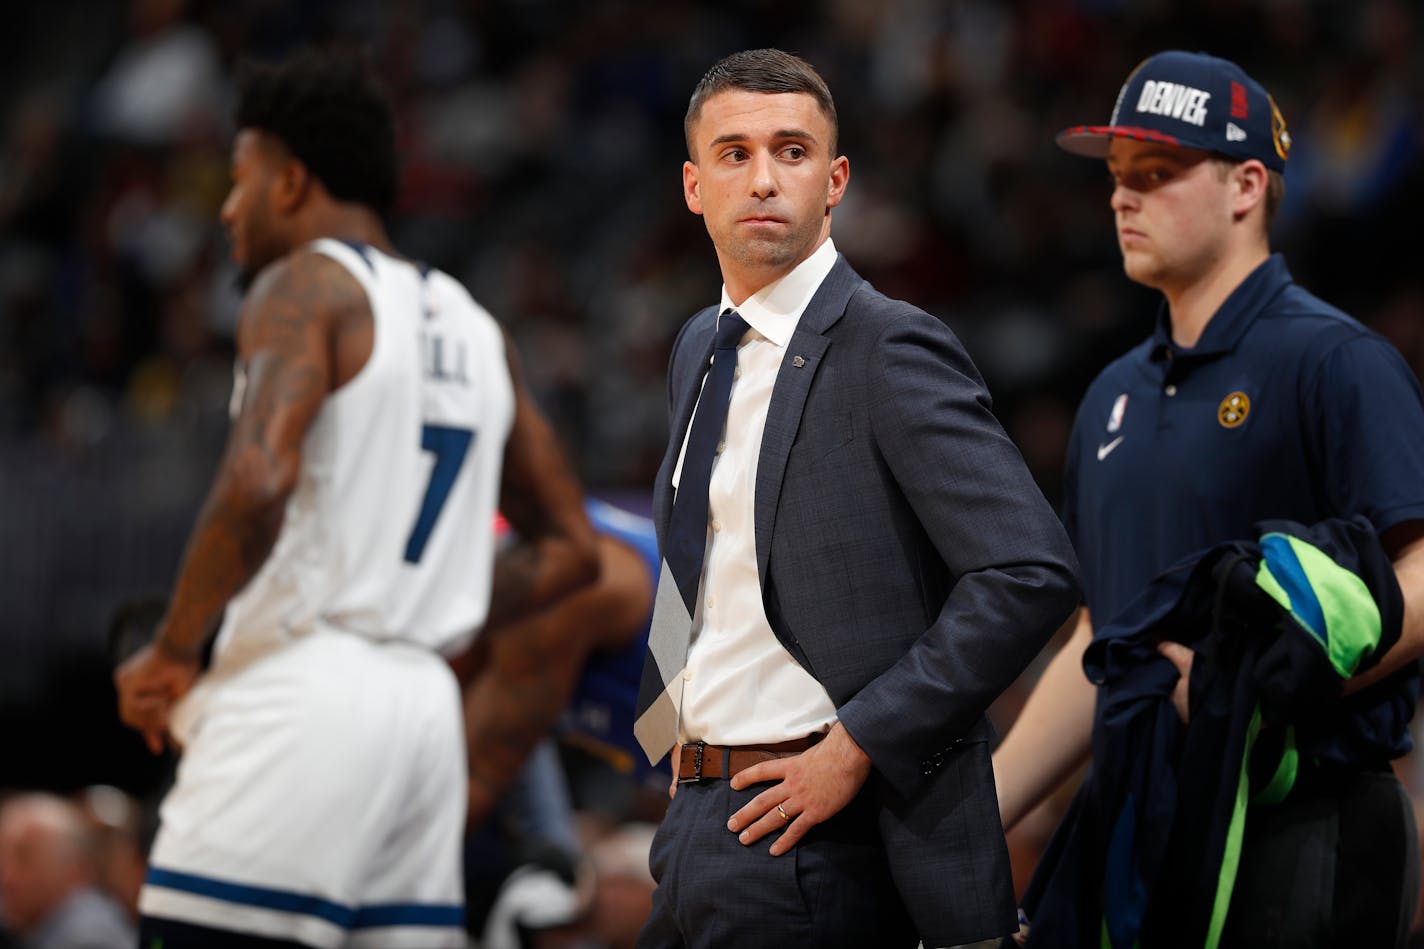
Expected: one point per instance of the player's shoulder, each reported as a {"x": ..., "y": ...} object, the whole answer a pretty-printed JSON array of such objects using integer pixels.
[
  {"x": 309, "y": 280},
  {"x": 296, "y": 301}
]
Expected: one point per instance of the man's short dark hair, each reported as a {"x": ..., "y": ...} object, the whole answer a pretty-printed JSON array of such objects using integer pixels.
[
  {"x": 760, "y": 70},
  {"x": 333, "y": 116},
  {"x": 1275, "y": 194}
]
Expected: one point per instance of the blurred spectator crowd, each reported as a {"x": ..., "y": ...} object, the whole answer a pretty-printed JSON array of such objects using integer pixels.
[
  {"x": 542, "y": 144},
  {"x": 70, "y": 869}
]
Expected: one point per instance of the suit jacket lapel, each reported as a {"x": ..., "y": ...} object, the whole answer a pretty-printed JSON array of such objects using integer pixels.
[
  {"x": 788, "y": 397},
  {"x": 688, "y": 385}
]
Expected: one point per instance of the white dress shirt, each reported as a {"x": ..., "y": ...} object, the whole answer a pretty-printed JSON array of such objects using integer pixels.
[{"x": 741, "y": 686}]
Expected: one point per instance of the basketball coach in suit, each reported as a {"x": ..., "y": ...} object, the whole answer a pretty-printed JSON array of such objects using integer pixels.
[{"x": 855, "y": 564}]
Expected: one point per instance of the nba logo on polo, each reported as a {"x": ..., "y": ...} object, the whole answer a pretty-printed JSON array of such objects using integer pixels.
[
  {"x": 1174, "y": 100},
  {"x": 1115, "y": 417}
]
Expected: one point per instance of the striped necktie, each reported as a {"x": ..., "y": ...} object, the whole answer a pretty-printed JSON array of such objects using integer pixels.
[{"x": 670, "y": 633}]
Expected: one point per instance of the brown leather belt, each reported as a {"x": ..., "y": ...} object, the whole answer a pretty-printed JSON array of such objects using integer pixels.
[{"x": 700, "y": 761}]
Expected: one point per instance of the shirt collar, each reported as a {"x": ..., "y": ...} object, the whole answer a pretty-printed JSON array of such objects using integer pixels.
[
  {"x": 774, "y": 310},
  {"x": 1235, "y": 315}
]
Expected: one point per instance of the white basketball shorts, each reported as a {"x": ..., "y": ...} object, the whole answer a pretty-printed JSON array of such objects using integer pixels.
[{"x": 320, "y": 798}]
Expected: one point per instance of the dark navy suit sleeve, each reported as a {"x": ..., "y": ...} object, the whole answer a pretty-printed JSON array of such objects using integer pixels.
[{"x": 1013, "y": 574}]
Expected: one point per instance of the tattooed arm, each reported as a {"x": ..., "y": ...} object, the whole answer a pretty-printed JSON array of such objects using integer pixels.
[
  {"x": 295, "y": 326},
  {"x": 554, "y": 553}
]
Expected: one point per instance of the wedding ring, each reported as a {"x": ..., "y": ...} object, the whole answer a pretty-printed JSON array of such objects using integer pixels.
[{"x": 782, "y": 811}]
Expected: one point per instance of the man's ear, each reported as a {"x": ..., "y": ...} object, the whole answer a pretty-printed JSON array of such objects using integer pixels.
[
  {"x": 691, "y": 192},
  {"x": 293, "y": 183},
  {"x": 840, "y": 177},
  {"x": 1250, "y": 181}
]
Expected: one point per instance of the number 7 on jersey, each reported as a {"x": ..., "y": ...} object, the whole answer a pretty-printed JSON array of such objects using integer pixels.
[{"x": 449, "y": 446}]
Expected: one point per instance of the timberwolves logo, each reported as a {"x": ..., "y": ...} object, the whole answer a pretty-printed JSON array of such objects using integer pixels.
[
  {"x": 1233, "y": 410},
  {"x": 1279, "y": 135}
]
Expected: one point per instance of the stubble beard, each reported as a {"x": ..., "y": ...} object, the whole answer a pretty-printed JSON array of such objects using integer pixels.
[{"x": 765, "y": 254}]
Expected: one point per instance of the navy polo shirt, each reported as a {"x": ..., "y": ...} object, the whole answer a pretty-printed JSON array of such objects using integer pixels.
[{"x": 1285, "y": 408}]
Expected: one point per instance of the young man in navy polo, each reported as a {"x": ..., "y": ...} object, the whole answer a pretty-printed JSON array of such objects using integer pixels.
[{"x": 1251, "y": 399}]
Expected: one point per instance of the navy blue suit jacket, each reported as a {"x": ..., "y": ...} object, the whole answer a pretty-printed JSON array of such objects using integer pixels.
[{"x": 909, "y": 563}]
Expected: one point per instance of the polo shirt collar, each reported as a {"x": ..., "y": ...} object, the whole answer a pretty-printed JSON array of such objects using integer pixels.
[
  {"x": 1231, "y": 320},
  {"x": 774, "y": 310}
]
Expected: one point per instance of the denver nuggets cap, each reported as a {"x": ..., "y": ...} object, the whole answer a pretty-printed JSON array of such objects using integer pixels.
[{"x": 1190, "y": 100}]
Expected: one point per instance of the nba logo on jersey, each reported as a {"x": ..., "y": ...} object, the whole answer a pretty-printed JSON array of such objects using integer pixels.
[{"x": 1115, "y": 417}]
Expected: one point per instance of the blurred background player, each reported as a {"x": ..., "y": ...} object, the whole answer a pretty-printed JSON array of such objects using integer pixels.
[
  {"x": 378, "y": 420},
  {"x": 568, "y": 662},
  {"x": 556, "y": 780},
  {"x": 49, "y": 897}
]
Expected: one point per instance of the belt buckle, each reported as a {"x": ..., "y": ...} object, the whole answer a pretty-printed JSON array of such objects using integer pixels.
[{"x": 697, "y": 751}]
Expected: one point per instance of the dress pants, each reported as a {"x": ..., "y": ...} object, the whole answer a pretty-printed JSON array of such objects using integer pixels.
[{"x": 832, "y": 890}]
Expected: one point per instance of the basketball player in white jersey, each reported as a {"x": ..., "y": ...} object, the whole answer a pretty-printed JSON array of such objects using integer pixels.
[{"x": 346, "y": 545}]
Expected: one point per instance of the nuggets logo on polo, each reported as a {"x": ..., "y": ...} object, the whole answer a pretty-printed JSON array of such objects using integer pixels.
[
  {"x": 1170, "y": 99},
  {"x": 1190, "y": 100},
  {"x": 1233, "y": 410}
]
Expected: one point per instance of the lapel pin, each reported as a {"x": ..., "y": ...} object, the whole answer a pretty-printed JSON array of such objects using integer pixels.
[{"x": 798, "y": 361}]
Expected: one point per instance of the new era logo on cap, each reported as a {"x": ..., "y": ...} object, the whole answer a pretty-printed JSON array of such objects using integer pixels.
[{"x": 1191, "y": 100}]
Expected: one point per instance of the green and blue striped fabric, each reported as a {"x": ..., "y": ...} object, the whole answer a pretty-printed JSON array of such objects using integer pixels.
[{"x": 1328, "y": 601}]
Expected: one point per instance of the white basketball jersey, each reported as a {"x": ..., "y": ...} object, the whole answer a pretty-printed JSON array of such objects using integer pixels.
[{"x": 388, "y": 533}]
